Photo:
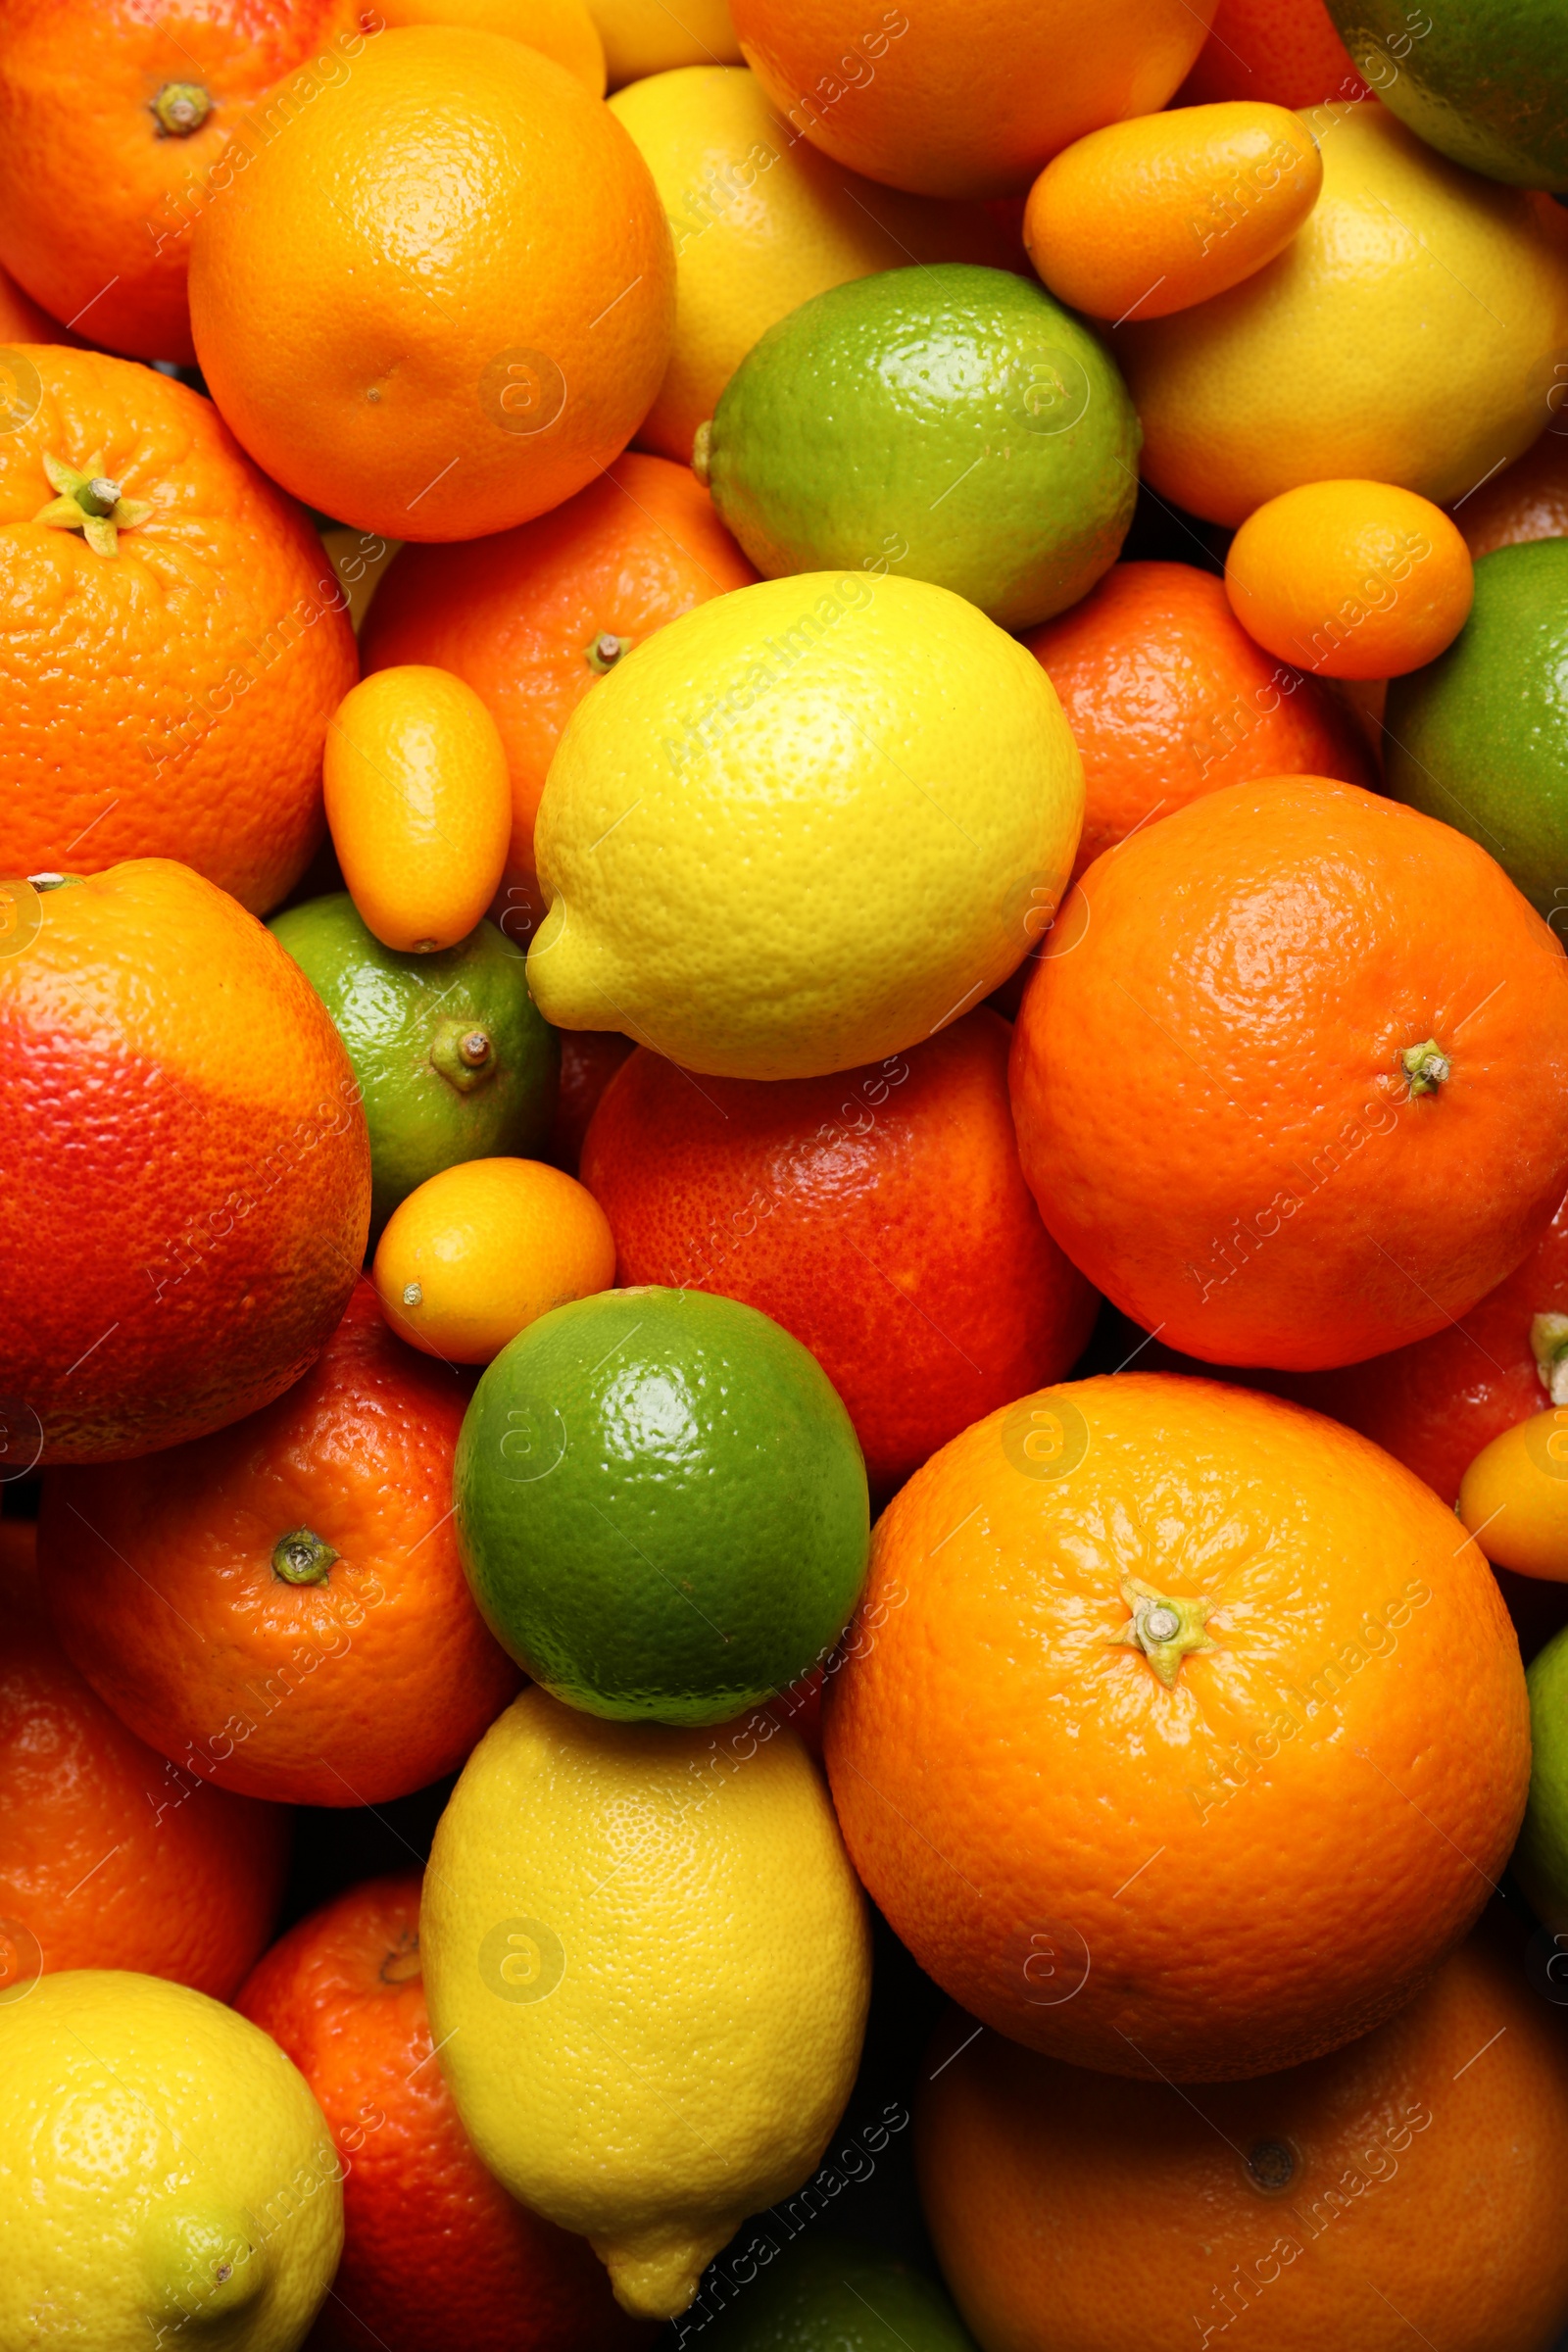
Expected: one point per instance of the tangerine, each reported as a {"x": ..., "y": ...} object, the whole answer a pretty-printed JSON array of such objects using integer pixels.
[{"x": 1286, "y": 52}]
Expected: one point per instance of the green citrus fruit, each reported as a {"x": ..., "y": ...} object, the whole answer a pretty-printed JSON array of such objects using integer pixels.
[
  {"x": 661, "y": 1504},
  {"x": 825, "y": 2296},
  {"x": 952, "y": 422},
  {"x": 455, "y": 1061},
  {"x": 1486, "y": 83},
  {"x": 1480, "y": 737},
  {"x": 1540, "y": 1858}
]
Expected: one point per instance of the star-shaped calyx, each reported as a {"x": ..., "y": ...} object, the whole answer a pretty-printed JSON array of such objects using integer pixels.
[
  {"x": 1166, "y": 1631},
  {"x": 91, "y": 502}
]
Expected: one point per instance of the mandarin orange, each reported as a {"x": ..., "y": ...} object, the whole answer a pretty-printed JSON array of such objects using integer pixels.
[{"x": 1284, "y": 51}]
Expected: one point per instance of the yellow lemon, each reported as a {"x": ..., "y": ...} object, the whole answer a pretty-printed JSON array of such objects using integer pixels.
[
  {"x": 166, "y": 2176},
  {"x": 649, "y": 36},
  {"x": 802, "y": 828},
  {"x": 1408, "y": 334},
  {"x": 761, "y": 222},
  {"x": 418, "y": 800},
  {"x": 648, "y": 1965},
  {"x": 479, "y": 1252},
  {"x": 564, "y": 29}
]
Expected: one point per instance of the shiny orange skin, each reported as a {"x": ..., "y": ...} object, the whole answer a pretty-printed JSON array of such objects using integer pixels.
[
  {"x": 110, "y": 1857},
  {"x": 1352, "y": 579},
  {"x": 474, "y": 326},
  {"x": 189, "y": 1175},
  {"x": 22, "y": 322},
  {"x": 202, "y": 738},
  {"x": 362, "y": 1687},
  {"x": 1167, "y": 697},
  {"x": 96, "y": 201},
  {"x": 1207, "y": 1881},
  {"x": 1213, "y": 1109},
  {"x": 1285, "y": 51},
  {"x": 1528, "y": 499},
  {"x": 515, "y": 615},
  {"x": 880, "y": 1216},
  {"x": 1420, "y": 2208},
  {"x": 982, "y": 95},
  {"x": 435, "y": 2253}
]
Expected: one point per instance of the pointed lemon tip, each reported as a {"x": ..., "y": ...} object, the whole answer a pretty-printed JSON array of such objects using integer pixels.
[
  {"x": 657, "y": 2278},
  {"x": 564, "y": 975}
]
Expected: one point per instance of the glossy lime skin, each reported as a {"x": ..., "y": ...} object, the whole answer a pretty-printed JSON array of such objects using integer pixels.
[
  {"x": 661, "y": 1505},
  {"x": 1485, "y": 83},
  {"x": 1480, "y": 737},
  {"x": 952, "y": 424},
  {"x": 821, "y": 2296},
  {"x": 1540, "y": 1858},
  {"x": 392, "y": 1012}
]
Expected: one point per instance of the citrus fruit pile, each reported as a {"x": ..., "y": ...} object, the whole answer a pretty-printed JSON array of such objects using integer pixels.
[{"x": 784, "y": 1224}]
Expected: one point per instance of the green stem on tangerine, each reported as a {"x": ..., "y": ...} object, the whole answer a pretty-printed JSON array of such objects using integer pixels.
[
  {"x": 1426, "y": 1065},
  {"x": 179, "y": 107},
  {"x": 301, "y": 1557},
  {"x": 1163, "y": 1628},
  {"x": 605, "y": 651},
  {"x": 1548, "y": 1345}
]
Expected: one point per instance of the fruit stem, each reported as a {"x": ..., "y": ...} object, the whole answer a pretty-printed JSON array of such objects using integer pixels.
[
  {"x": 605, "y": 651},
  {"x": 301, "y": 1557},
  {"x": 179, "y": 107},
  {"x": 703, "y": 453},
  {"x": 1548, "y": 1344},
  {"x": 463, "y": 1054},
  {"x": 1164, "y": 1630},
  {"x": 1426, "y": 1065}
]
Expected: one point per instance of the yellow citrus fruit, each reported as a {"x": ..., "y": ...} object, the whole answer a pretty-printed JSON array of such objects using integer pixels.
[
  {"x": 1515, "y": 1496},
  {"x": 563, "y": 29},
  {"x": 1351, "y": 579},
  {"x": 166, "y": 2176},
  {"x": 647, "y": 1966},
  {"x": 1154, "y": 215},
  {"x": 418, "y": 800},
  {"x": 761, "y": 222},
  {"x": 1406, "y": 334},
  {"x": 648, "y": 36},
  {"x": 802, "y": 827},
  {"x": 479, "y": 1252}
]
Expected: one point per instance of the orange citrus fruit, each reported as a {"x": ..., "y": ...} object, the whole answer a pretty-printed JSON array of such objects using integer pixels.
[
  {"x": 1286, "y": 52},
  {"x": 471, "y": 328},
  {"x": 1527, "y": 500},
  {"x": 1351, "y": 579},
  {"x": 1132, "y": 1636},
  {"x": 562, "y": 29},
  {"x": 1515, "y": 1496},
  {"x": 477, "y": 1252}
]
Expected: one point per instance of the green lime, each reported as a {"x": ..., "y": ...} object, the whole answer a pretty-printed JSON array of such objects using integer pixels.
[
  {"x": 1486, "y": 83},
  {"x": 951, "y": 423},
  {"x": 1540, "y": 1858},
  {"x": 823, "y": 2296},
  {"x": 455, "y": 1060},
  {"x": 661, "y": 1504},
  {"x": 1480, "y": 737}
]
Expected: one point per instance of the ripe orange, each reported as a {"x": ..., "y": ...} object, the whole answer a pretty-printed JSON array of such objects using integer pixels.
[
  {"x": 1351, "y": 579},
  {"x": 475, "y": 324},
  {"x": 880, "y": 1216},
  {"x": 200, "y": 739},
  {"x": 1316, "y": 1109},
  {"x": 188, "y": 1185},
  {"x": 22, "y": 322},
  {"x": 1284, "y": 51},
  {"x": 435, "y": 2253},
  {"x": 1154, "y": 1761},
  {"x": 533, "y": 618},
  {"x": 966, "y": 97},
  {"x": 1401, "y": 2193},
  {"x": 1167, "y": 697},
  {"x": 1527, "y": 500},
  {"x": 112, "y": 1857},
  {"x": 120, "y": 122},
  {"x": 280, "y": 1607}
]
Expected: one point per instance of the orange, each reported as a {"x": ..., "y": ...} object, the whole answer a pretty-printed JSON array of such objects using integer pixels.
[
  {"x": 1398, "y": 2193},
  {"x": 202, "y": 738},
  {"x": 22, "y": 322},
  {"x": 562, "y": 29},
  {"x": 880, "y": 1216},
  {"x": 1351, "y": 579},
  {"x": 1317, "y": 1108},
  {"x": 280, "y": 1608},
  {"x": 435, "y": 2253},
  {"x": 1192, "y": 1734},
  {"x": 534, "y": 617},
  {"x": 1527, "y": 500},
  {"x": 419, "y": 805},
  {"x": 112, "y": 1857},
  {"x": 1515, "y": 1496},
  {"x": 189, "y": 1186},
  {"x": 1156, "y": 214},
  {"x": 1167, "y": 697},
  {"x": 119, "y": 122},
  {"x": 964, "y": 97},
  {"x": 473, "y": 326},
  {"x": 1284, "y": 51},
  {"x": 477, "y": 1252}
]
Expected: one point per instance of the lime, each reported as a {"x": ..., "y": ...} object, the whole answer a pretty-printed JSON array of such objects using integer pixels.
[
  {"x": 1540, "y": 1858},
  {"x": 1480, "y": 737},
  {"x": 661, "y": 1504},
  {"x": 951, "y": 422},
  {"x": 1486, "y": 83},
  {"x": 455, "y": 1061},
  {"x": 822, "y": 2296}
]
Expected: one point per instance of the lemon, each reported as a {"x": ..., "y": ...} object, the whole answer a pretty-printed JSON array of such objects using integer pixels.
[
  {"x": 802, "y": 827},
  {"x": 166, "y": 2176},
  {"x": 649, "y": 36},
  {"x": 648, "y": 1964},
  {"x": 1408, "y": 334},
  {"x": 762, "y": 221}
]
